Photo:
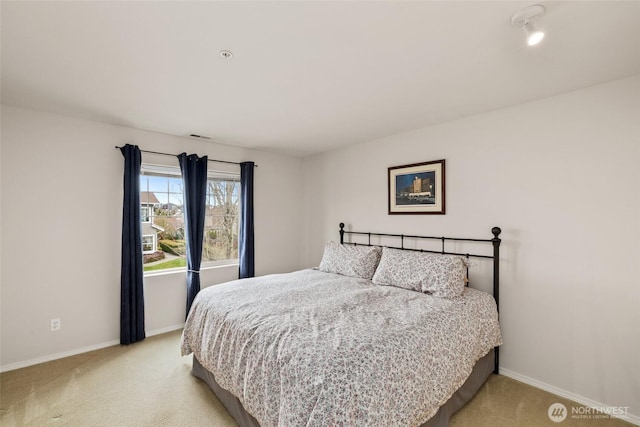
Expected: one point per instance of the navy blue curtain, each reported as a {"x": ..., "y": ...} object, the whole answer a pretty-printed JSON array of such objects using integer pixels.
[
  {"x": 131, "y": 286},
  {"x": 194, "y": 177},
  {"x": 246, "y": 250}
]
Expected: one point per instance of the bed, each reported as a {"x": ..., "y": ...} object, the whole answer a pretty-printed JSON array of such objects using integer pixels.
[{"x": 360, "y": 340}]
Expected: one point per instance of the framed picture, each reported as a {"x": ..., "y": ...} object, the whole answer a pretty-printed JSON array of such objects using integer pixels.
[{"x": 417, "y": 188}]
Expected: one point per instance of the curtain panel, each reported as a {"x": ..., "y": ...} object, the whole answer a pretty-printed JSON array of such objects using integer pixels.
[
  {"x": 194, "y": 178},
  {"x": 246, "y": 247},
  {"x": 131, "y": 284}
]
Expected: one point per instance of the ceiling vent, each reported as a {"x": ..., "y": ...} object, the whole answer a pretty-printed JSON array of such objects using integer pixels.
[{"x": 195, "y": 135}]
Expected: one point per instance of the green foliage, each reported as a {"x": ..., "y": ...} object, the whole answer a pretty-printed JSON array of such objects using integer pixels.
[{"x": 174, "y": 247}]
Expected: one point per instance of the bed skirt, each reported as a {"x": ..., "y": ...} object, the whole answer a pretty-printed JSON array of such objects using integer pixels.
[{"x": 481, "y": 371}]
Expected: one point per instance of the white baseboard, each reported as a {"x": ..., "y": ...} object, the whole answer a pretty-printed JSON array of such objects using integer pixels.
[
  {"x": 634, "y": 419},
  {"x": 165, "y": 330},
  {"x": 56, "y": 356}
]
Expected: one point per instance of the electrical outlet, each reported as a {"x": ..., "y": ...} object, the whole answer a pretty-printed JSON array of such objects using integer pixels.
[{"x": 56, "y": 324}]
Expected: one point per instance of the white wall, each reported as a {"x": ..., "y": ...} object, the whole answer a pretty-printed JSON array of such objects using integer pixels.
[
  {"x": 561, "y": 176},
  {"x": 61, "y": 223}
]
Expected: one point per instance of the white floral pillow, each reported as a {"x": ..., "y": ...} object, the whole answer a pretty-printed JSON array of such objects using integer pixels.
[
  {"x": 440, "y": 275},
  {"x": 350, "y": 260}
]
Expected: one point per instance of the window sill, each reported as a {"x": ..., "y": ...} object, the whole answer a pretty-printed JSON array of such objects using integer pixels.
[{"x": 184, "y": 270}]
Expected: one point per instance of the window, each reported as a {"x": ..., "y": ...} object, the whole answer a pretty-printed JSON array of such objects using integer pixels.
[
  {"x": 144, "y": 214},
  {"x": 148, "y": 243},
  {"x": 161, "y": 194}
]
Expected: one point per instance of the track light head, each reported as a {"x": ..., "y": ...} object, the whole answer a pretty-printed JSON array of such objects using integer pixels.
[
  {"x": 534, "y": 36},
  {"x": 525, "y": 19}
]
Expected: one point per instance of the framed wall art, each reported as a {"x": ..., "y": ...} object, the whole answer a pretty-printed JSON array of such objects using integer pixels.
[{"x": 417, "y": 188}]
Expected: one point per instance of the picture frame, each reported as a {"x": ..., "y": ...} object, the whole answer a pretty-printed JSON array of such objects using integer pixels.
[{"x": 417, "y": 188}]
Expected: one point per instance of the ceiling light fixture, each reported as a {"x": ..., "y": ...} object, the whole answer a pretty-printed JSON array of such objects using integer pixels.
[{"x": 525, "y": 18}]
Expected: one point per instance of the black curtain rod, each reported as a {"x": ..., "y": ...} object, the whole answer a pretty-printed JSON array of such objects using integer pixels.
[{"x": 175, "y": 155}]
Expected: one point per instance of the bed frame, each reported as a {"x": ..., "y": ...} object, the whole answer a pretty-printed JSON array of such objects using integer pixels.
[
  {"x": 481, "y": 371},
  {"x": 495, "y": 257}
]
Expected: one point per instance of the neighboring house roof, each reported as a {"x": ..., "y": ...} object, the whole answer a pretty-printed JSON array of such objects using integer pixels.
[
  {"x": 148, "y": 229},
  {"x": 149, "y": 198}
]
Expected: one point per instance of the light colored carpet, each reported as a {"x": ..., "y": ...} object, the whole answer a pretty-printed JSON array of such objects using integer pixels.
[{"x": 150, "y": 384}]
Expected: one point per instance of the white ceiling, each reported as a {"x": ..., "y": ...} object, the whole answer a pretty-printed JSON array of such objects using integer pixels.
[{"x": 305, "y": 76}]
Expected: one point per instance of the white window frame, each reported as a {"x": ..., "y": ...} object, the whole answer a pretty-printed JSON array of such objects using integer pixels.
[
  {"x": 149, "y": 210},
  {"x": 153, "y": 243},
  {"x": 174, "y": 171}
]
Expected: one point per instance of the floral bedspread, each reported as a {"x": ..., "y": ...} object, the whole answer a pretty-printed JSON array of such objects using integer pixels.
[{"x": 318, "y": 349}]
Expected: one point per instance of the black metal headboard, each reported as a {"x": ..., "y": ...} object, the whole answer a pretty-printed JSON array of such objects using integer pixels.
[{"x": 495, "y": 257}]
